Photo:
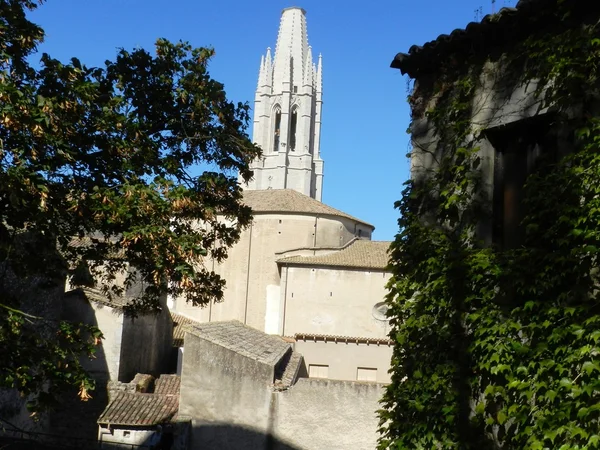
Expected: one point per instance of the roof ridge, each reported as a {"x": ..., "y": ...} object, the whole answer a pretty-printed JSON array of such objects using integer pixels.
[{"x": 358, "y": 254}]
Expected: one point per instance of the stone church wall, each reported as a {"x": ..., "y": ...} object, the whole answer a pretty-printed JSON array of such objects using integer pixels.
[
  {"x": 316, "y": 296},
  {"x": 252, "y": 293}
]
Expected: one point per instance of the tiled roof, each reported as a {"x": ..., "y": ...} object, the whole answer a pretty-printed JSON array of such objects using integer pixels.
[
  {"x": 290, "y": 373},
  {"x": 242, "y": 339},
  {"x": 144, "y": 409},
  {"x": 97, "y": 296},
  {"x": 179, "y": 323},
  {"x": 359, "y": 253},
  {"x": 345, "y": 339},
  {"x": 167, "y": 385},
  {"x": 290, "y": 201},
  {"x": 491, "y": 30}
]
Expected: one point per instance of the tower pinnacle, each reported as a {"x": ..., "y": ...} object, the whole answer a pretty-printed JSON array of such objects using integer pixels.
[{"x": 287, "y": 112}]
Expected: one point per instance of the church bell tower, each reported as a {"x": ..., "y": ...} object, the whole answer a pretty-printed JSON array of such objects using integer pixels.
[{"x": 287, "y": 113}]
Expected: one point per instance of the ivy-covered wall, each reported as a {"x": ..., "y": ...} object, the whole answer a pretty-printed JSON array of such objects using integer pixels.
[{"x": 494, "y": 302}]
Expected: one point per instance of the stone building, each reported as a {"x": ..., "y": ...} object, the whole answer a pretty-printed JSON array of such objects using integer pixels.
[
  {"x": 245, "y": 389},
  {"x": 302, "y": 267},
  {"x": 511, "y": 124},
  {"x": 121, "y": 354},
  {"x": 143, "y": 414}
]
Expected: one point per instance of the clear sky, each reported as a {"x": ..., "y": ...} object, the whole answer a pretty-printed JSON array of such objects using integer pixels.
[{"x": 365, "y": 115}]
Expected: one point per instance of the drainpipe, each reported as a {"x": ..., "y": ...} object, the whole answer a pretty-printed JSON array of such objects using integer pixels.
[
  {"x": 248, "y": 272},
  {"x": 285, "y": 287},
  {"x": 210, "y": 304},
  {"x": 315, "y": 237}
]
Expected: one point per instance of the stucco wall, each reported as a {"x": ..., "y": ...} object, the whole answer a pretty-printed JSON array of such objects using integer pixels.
[
  {"x": 252, "y": 293},
  {"x": 105, "y": 365},
  {"x": 143, "y": 344},
  {"x": 345, "y": 358},
  {"x": 219, "y": 386},
  {"x": 231, "y": 402},
  {"x": 118, "y": 438},
  {"x": 329, "y": 415},
  {"x": 321, "y": 300},
  {"x": 147, "y": 345}
]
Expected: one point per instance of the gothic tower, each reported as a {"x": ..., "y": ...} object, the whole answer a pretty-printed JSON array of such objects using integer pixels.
[{"x": 287, "y": 113}]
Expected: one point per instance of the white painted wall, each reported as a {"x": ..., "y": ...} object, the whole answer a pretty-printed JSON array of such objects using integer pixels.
[
  {"x": 343, "y": 359},
  {"x": 332, "y": 301}
]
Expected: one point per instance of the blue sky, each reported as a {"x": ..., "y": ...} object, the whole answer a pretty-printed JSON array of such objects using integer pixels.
[{"x": 365, "y": 115}]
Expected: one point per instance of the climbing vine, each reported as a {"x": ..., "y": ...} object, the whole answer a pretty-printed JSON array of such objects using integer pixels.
[{"x": 499, "y": 346}]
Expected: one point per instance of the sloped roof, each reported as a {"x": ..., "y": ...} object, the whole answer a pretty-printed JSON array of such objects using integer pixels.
[
  {"x": 243, "y": 340},
  {"x": 144, "y": 409},
  {"x": 290, "y": 201},
  {"x": 167, "y": 385},
  {"x": 179, "y": 324},
  {"x": 359, "y": 253},
  {"x": 493, "y": 29},
  {"x": 97, "y": 296}
]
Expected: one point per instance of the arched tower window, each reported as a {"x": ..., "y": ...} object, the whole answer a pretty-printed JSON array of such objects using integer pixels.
[
  {"x": 293, "y": 128},
  {"x": 277, "y": 130}
]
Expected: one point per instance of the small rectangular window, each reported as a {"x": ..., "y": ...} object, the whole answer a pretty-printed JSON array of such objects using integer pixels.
[
  {"x": 126, "y": 434},
  {"x": 318, "y": 371},
  {"x": 366, "y": 374},
  {"x": 295, "y": 89}
]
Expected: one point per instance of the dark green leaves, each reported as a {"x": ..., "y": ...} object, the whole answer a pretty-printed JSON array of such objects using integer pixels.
[{"x": 99, "y": 173}]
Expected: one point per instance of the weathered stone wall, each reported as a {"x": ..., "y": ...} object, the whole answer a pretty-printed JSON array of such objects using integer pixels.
[
  {"x": 219, "y": 386},
  {"x": 232, "y": 404},
  {"x": 42, "y": 297},
  {"x": 328, "y": 414},
  {"x": 147, "y": 345}
]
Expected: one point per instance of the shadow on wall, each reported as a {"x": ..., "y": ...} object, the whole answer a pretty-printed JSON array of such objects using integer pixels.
[
  {"x": 232, "y": 437},
  {"x": 71, "y": 410}
]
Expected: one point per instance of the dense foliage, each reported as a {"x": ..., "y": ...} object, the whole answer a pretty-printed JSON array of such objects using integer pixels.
[
  {"x": 96, "y": 176},
  {"x": 499, "y": 347}
]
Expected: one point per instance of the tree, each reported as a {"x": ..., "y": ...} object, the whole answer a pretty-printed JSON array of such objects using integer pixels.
[{"x": 96, "y": 176}]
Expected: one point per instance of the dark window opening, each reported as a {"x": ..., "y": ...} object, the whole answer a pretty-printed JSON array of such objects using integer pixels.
[
  {"x": 293, "y": 126},
  {"x": 295, "y": 89},
  {"x": 277, "y": 131},
  {"x": 521, "y": 148}
]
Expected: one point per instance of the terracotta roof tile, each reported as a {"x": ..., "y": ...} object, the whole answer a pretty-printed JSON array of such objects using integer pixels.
[
  {"x": 290, "y": 201},
  {"x": 144, "y": 409},
  {"x": 334, "y": 338},
  {"x": 495, "y": 26},
  {"x": 167, "y": 385},
  {"x": 359, "y": 253},
  {"x": 97, "y": 296},
  {"x": 179, "y": 323}
]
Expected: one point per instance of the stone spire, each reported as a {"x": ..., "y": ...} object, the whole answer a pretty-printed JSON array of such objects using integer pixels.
[
  {"x": 287, "y": 113},
  {"x": 308, "y": 69}
]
